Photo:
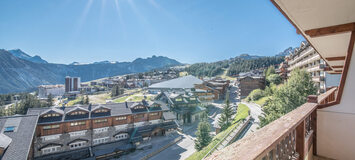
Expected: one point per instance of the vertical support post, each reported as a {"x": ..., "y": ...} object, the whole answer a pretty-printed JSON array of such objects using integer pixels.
[
  {"x": 314, "y": 126},
  {"x": 300, "y": 136}
]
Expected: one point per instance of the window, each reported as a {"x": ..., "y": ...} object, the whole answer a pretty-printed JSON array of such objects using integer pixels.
[
  {"x": 178, "y": 99},
  {"x": 153, "y": 114},
  {"x": 121, "y": 118},
  {"x": 100, "y": 130},
  {"x": 51, "y": 115},
  {"x": 48, "y": 150},
  {"x": 77, "y": 144},
  {"x": 121, "y": 136},
  {"x": 192, "y": 99},
  {"x": 139, "y": 107},
  {"x": 9, "y": 129},
  {"x": 51, "y": 137},
  {"x": 77, "y": 123},
  {"x": 100, "y": 110},
  {"x": 100, "y": 120},
  {"x": 139, "y": 116},
  {"x": 121, "y": 127},
  {"x": 100, "y": 140},
  {"x": 51, "y": 126},
  {"x": 77, "y": 113},
  {"x": 77, "y": 133}
]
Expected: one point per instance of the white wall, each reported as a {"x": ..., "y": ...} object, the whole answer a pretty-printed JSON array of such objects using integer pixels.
[{"x": 336, "y": 124}]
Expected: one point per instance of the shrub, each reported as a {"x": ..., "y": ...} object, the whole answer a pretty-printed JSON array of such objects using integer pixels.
[{"x": 256, "y": 95}]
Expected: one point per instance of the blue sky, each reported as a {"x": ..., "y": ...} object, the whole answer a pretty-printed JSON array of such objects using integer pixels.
[{"x": 63, "y": 31}]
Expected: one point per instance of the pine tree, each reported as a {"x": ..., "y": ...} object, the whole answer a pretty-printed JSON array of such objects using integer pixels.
[
  {"x": 50, "y": 100},
  {"x": 226, "y": 117},
  {"x": 203, "y": 137},
  {"x": 86, "y": 100}
]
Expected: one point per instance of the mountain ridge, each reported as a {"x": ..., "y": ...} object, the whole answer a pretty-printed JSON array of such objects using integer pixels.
[
  {"x": 22, "y": 55},
  {"x": 19, "y": 75}
]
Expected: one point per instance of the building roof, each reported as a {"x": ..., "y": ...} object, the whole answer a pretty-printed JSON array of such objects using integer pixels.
[
  {"x": 185, "y": 82},
  {"x": 115, "y": 109},
  {"x": 4, "y": 141},
  {"x": 169, "y": 116},
  {"x": 21, "y": 137}
]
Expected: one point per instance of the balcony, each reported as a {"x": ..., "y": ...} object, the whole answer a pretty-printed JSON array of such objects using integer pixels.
[
  {"x": 293, "y": 136},
  {"x": 318, "y": 78}
]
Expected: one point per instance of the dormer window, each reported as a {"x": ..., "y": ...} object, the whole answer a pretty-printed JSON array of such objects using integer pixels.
[
  {"x": 139, "y": 107},
  {"x": 51, "y": 115},
  {"x": 100, "y": 111},
  {"x": 77, "y": 113}
]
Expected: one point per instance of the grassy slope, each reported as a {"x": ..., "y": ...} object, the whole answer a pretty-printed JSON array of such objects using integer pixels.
[
  {"x": 242, "y": 114},
  {"x": 225, "y": 76}
]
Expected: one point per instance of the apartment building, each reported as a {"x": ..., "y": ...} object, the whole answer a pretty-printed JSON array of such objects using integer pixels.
[
  {"x": 54, "y": 90},
  {"x": 305, "y": 57},
  {"x": 84, "y": 131},
  {"x": 72, "y": 84}
]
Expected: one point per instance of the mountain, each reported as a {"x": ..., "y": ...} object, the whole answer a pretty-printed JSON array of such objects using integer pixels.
[
  {"x": 105, "y": 62},
  {"x": 22, "y": 55},
  {"x": 285, "y": 52},
  {"x": 247, "y": 56},
  {"x": 18, "y": 74}
]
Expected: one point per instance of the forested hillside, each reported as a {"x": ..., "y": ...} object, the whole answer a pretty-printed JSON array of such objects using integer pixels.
[{"x": 234, "y": 65}]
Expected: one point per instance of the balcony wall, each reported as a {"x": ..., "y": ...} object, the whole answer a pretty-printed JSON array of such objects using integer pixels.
[{"x": 336, "y": 124}]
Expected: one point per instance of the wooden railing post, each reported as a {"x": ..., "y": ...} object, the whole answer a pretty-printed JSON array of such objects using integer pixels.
[
  {"x": 300, "y": 142},
  {"x": 314, "y": 126}
]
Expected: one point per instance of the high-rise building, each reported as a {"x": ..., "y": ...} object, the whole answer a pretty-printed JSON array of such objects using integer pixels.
[{"x": 72, "y": 84}]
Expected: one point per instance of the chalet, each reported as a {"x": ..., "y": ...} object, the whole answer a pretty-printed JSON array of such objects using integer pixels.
[
  {"x": 186, "y": 107},
  {"x": 247, "y": 84}
]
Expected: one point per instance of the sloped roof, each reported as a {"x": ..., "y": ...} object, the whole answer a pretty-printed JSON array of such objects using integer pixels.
[
  {"x": 185, "y": 82},
  {"x": 4, "y": 141},
  {"x": 53, "y": 110},
  {"x": 21, "y": 137}
]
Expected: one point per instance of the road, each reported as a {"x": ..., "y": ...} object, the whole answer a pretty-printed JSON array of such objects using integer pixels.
[{"x": 180, "y": 150}]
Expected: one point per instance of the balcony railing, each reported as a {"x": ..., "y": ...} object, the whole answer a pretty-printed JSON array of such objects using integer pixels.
[{"x": 290, "y": 137}]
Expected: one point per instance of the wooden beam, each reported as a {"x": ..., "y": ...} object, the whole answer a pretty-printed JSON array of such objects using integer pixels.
[
  {"x": 335, "y": 58},
  {"x": 346, "y": 67},
  {"x": 327, "y": 68},
  {"x": 338, "y": 71},
  {"x": 349, "y": 27},
  {"x": 338, "y": 66}
]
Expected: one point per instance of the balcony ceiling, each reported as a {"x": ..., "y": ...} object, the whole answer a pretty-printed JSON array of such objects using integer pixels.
[{"x": 316, "y": 16}]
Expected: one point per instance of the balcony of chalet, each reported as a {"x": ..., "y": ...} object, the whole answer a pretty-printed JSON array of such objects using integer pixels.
[{"x": 323, "y": 127}]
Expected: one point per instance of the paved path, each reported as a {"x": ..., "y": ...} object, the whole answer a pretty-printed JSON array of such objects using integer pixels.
[{"x": 255, "y": 112}]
